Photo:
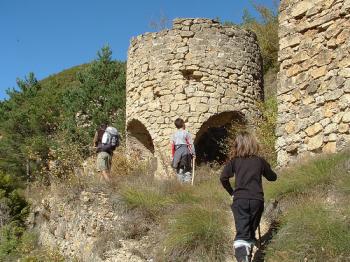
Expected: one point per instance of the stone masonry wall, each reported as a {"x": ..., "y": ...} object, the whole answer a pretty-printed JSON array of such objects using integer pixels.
[
  {"x": 196, "y": 70},
  {"x": 314, "y": 78}
]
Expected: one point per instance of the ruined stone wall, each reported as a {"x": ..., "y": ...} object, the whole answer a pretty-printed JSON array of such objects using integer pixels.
[
  {"x": 196, "y": 70},
  {"x": 314, "y": 78}
]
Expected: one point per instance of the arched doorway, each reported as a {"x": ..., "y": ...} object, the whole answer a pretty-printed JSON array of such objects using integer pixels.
[
  {"x": 139, "y": 139},
  {"x": 211, "y": 137}
]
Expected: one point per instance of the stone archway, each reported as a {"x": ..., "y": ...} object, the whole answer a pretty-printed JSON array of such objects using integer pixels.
[
  {"x": 210, "y": 138},
  {"x": 139, "y": 139}
]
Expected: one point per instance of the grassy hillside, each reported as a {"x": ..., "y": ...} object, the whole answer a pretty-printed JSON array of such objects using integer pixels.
[
  {"x": 196, "y": 224},
  {"x": 65, "y": 78},
  {"x": 315, "y": 220}
]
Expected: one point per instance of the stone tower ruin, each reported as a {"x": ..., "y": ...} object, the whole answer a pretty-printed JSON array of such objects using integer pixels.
[
  {"x": 314, "y": 79},
  {"x": 207, "y": 73}
]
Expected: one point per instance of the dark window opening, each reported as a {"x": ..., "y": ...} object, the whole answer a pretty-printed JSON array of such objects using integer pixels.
[
  {"x": 211, "y": 138},
  {"x": 190, "y": 74}
]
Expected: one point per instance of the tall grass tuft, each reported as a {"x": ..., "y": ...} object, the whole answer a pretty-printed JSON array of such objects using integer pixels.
[
  {"x": 199, "y": 231},
  {"x": 151, "y": 202}
]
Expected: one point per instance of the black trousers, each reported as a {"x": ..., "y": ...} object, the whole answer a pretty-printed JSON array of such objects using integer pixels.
[{"x": 247, "y": 214}]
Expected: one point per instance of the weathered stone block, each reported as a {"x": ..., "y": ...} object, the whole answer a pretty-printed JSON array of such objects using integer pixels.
[
  {"x": 332, "y": 137},
  {"x": 343, "y": 128},
  {"x": 334, "y": 95},
  {"x": 345, "y": 72},
  {"x": 301, "y": 8},
  {"x": 331, "y": 128},
  {"x": 289, "y": 41},
  {"x": 315, "y": 142},
  {"x": 330, "y": 147},
  {"x": 290, "y": 127},
  {"x": 346, "y": 117},
  {"x": 314, "y": 129},
  {"x": 318, "y": 72}
]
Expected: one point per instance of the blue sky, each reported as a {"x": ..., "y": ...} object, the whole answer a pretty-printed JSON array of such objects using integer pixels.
[{"x": 47, "y": 36}]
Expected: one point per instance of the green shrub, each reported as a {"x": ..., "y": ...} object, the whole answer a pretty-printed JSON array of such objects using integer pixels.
[
  {"x": 184, "y": 197},
  {"x": 28, "y": 242},
  {"x": 315, "y": 226},
  {"x": 17, "y": 244},
  {"x": 179, "y": 193},
  {"x": 152, "y": 195},
  {"x": 10, "y": 235},
  {"x": 124, "y": 164},
  {"x": 266, "y": 29},
  {"x": 265, "y": 130},
  {"x": 198, "y": 226},
  {"x": 197, "y": 231},
  {"x": 14, "y": 212}
]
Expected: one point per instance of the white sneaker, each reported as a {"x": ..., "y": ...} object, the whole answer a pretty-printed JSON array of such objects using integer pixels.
[
  {"x": 243, "y": 250},
  {"x": 187, "y": 177}
]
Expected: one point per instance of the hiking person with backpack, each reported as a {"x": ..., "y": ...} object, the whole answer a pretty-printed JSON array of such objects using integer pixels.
[
  {"x": 183, "y": 151},
  {"x": 109, "y": 142},
  {"x": 248, "y": 196}
]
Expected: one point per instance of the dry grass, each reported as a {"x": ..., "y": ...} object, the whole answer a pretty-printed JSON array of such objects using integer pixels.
[{"x": 126, "y": 165}]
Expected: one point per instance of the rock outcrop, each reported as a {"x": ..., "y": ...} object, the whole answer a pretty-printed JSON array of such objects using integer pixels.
[{"x": 91, "y": 225}]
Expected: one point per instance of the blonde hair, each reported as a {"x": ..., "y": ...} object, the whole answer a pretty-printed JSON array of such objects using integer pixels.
[{"x": 245, "y": 145}]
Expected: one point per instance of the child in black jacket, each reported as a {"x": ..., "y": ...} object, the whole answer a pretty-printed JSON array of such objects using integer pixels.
[{"x": 248, "y": 205}]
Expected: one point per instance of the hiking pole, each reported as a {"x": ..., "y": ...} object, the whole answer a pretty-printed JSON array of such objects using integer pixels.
[
  {"x": 193, "y": 169},
  {"x": 259, "y": 233}
]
